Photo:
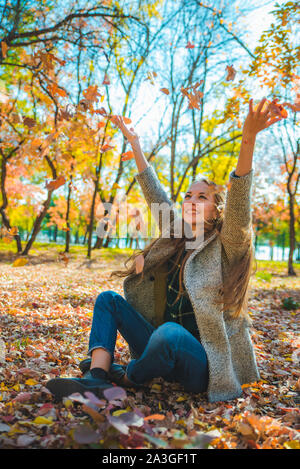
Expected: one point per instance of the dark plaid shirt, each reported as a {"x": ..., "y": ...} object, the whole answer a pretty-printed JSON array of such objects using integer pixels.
[{"x": 181, "y": 311}]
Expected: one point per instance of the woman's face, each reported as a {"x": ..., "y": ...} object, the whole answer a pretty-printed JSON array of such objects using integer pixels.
[{"x": 199, "y": 194}]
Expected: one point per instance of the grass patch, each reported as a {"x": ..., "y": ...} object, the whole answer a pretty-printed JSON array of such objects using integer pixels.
[
  {"x": 264, "y": 271},
  {"x": 265, "y": 276},
  {"x": 276, "y": 267},
  {"x": 49, "y": 251}
]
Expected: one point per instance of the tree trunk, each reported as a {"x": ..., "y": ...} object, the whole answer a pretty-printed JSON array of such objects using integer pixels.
[
  {"x": 68, "y": 232},
  {"x": 255, "y": 242},
  {"x": 98, "y": 244},
  {"x": 92, "y": 217},
  {"x": 271, "y": 250},
  {"x": 55, "y": 234},
  {"x": 37, "y": 224},
  {"x": 5, "y": 219},
  {"x": 283, "y": 245},
  {"x": 85, "y": 235},
  {"x": 291, "y": 270},
  {"x": 42, "y": 214}
]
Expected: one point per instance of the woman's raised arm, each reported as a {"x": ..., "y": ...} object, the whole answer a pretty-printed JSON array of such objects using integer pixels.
[
  {"x": 236, "y": 229},
  {"x": 155, "y": 196}
]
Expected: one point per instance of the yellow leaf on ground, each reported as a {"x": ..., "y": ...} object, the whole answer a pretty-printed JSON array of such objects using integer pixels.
[
  {"x": 68, "y": 403},
  {"x": 31, "y": 382},
  {"x": 293, "y": 444},
  {"x": 181, "y": 398},
  {"x": 156, "y": 386},
  {"x": 43, "y": 421},
  {"x": 116, "y": 413},
  {"x": 181, "y": 422},
  {"x": 198, "y": 422},
  {"x": 20, "y": 262},
  {"x": 155, "y": 417}
]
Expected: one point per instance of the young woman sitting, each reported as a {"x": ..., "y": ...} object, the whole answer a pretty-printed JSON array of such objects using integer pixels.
[{"x": 184, "y": 316}]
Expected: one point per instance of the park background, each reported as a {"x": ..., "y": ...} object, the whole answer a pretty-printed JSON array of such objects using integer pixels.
[{"x": 181, "y": 73}]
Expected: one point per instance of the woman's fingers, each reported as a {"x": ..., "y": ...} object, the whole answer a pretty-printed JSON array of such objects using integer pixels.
[
  {"x": 251, "y": 106},
  {"x": 272, "y": 121},
  {"x": 266, "y": 112},
  {"x": 260, "y": 106},
  {"x": 118, "y": 121}
]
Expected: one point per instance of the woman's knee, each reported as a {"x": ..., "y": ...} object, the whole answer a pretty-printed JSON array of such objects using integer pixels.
[
  {"x": 106, "y": 299},
  {"x": 167, "y": 333}
]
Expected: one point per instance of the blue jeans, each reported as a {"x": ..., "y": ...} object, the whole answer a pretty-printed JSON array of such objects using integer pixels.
[{"x": 169, "y": 351}]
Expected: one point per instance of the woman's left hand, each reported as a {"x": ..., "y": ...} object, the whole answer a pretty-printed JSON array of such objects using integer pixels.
[{"x": 258, "y": 120}]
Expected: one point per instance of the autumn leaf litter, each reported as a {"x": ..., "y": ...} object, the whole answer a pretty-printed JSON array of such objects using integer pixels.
[{"x": 46, "y": 313}]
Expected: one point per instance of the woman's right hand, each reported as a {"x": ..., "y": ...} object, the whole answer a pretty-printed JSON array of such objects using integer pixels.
[
  {"x": 133, "y": 139},
  {"x": 130, "y": 134}
]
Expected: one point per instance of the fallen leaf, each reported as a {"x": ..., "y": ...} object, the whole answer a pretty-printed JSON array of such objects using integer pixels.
[
  {"x": 43, "y": 421},
  {"x": 155, "y": 417},
  {"x": 4, "y": 427},
  {"x": 31, "y": 382},
  {"x": 84, "y": 434},
  {"x": 25, "y": 440},
  {"x": 20, "y": 262}
]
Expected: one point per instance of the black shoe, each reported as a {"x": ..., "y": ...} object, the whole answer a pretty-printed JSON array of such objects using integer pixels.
[
  {"x": 115, "y": 373},
  {"x": 85, "y": 365},
  {"x": 63, "y": 387}
]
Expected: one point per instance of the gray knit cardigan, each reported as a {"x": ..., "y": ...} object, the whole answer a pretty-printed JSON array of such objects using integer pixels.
[{"x": 226, "y": 340}]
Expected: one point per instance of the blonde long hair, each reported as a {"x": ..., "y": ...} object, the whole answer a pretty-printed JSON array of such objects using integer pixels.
[{"x": 234, "y": 290}]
